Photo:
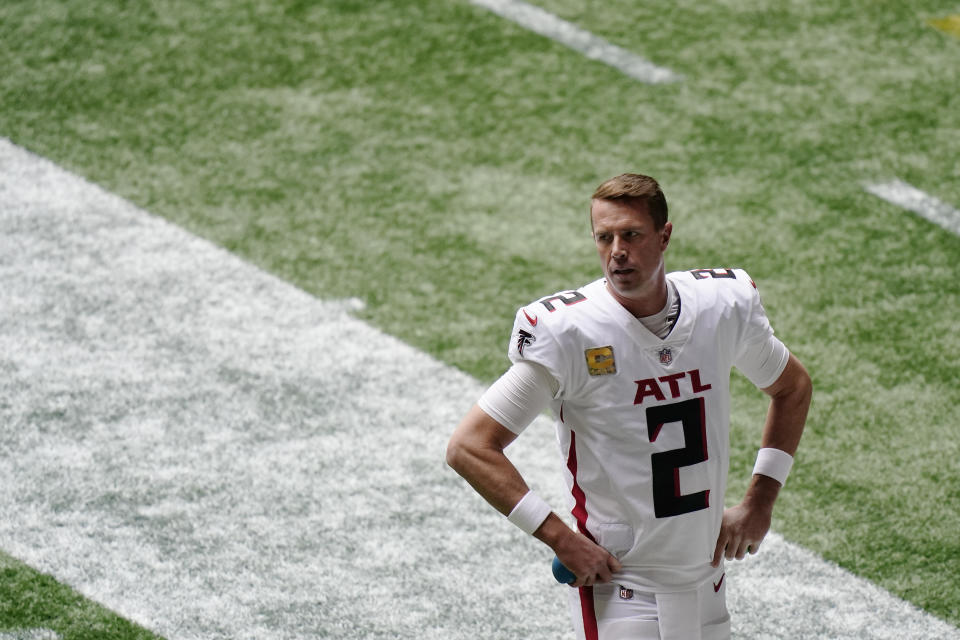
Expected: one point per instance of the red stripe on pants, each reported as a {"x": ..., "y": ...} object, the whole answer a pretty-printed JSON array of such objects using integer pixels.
[{"x": 589, "y": 614}]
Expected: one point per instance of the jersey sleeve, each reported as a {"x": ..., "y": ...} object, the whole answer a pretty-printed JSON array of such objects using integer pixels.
[
  {"x": 760, "y": 356},
  {"x": 519, "y": 396},
  {"x": 763, "y": 362},
  {"x": 533, "y": 341}
]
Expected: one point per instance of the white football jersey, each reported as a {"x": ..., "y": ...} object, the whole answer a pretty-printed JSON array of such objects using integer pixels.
[{"x": 643, "y": 422}]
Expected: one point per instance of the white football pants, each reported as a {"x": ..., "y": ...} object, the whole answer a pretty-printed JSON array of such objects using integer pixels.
[{"x": 611, "y": 612}]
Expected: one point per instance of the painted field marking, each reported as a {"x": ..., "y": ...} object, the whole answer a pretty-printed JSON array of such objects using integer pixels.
[
  {"x": 949, "y": 24},
  {"x": 215, "y": 454},
  {"x": 593, "y": 47},
  {"x": 912, "y": 199},
  {"x": 29, "y": 634}
]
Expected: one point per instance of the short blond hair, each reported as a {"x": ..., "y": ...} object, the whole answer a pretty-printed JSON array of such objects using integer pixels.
[{"x": 636, "y": 188}]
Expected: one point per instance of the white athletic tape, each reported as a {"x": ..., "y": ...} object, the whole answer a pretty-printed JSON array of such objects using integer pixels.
[
  {"x": 773, "y": 463},
  {"x": 529, "y": 513}
]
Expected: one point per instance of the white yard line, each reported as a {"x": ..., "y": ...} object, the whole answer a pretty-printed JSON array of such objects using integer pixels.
[
  {"x": 546, "y": 24},
  {"x": 213, "y": 453},
  {"x": 912, "y": 199}
]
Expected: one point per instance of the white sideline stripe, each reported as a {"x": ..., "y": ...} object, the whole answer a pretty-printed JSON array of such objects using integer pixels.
[
  {"x": 213, "y": 453},
  {"x": 29, "y": 634},
  {"x": 546, "y": 24},
  {"x": 912, "y": 199}
]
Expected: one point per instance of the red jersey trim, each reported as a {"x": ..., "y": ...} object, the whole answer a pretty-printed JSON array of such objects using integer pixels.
[
  {"x": 579, "y": 497},
  {"x": 587, "y": 608}
]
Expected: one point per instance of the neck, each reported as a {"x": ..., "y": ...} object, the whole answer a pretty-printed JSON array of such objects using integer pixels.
[{"x": 643, "y": 304}]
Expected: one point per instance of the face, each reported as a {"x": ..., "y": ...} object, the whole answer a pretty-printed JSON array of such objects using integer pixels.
[{"x": 631, "y": 252}]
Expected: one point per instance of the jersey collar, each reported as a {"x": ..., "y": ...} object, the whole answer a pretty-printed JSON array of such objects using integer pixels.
[{"x": 639, "y": 333}]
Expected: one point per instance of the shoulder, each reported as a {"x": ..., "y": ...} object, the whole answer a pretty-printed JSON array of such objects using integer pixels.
[
  {"x": 724, "y": 298},
  {"x": 719, "y": 295},
  {"x": 552, "y": 325},
  {"x": 563, "y": 308},
  {"x": 719, "y": 284}
]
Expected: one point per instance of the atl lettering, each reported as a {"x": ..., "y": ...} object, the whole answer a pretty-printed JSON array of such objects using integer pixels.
[{"x": 651, "y": 388}]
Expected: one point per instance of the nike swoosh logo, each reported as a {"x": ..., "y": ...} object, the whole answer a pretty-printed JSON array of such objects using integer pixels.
[
  {"x": 532, "y": 321},
  {"x": 717, "y": 585}
]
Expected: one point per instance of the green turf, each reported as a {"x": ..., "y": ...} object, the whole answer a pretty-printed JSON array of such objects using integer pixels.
[{"x": 435, "y": 160}]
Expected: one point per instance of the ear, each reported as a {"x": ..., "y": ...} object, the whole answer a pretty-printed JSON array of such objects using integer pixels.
[{"x": 665, "y": 235}]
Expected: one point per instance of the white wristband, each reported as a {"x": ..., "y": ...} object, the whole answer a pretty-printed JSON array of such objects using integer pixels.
[
  {"x": 773, "y": 463},
  {"x": 530, "y": 512}
]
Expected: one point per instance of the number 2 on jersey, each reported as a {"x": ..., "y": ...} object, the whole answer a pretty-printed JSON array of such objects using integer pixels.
[{"x": 667, "y": 500}]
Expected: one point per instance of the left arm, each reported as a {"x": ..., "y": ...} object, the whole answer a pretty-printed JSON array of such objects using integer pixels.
[{"x": 745, "y": 525}]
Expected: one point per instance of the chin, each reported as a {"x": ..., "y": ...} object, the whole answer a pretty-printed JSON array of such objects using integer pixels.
[{"x": 620, "y": 290}]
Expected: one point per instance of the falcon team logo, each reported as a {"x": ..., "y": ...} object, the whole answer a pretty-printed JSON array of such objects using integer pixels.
[
  {"x": 523, "y": 339},
  {"x": 665, "y": 355}
]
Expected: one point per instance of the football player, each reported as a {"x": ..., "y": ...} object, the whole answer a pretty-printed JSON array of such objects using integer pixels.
[{"x": 636, "y": 368}]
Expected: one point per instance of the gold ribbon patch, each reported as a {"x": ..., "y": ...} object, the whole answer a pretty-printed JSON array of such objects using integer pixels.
[{"x": 600, "y": 361}]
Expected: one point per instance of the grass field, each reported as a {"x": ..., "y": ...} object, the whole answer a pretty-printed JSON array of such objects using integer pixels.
[{"x": 434, "y": 161}]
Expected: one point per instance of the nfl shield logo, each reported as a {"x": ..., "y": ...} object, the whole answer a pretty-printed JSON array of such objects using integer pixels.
[
  {"x": 666, "y": 355},
  {"x": 626, "y": 594}
]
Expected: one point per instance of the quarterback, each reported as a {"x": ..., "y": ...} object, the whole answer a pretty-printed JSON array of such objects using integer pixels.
[{"x": 635, "y": 367}]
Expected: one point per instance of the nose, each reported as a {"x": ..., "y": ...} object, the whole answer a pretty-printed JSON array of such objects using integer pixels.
[{"x": 617, "y": 250}]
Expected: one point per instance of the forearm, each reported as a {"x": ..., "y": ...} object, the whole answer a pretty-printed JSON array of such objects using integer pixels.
[
  {"x": 491, "y": 475},
  {"x": 475, "y": 451},
  {"x": 789, "y": 403},
  {"x": 785, "y": 421},
  {"x": 494, "y": 477},
  {"x": 745, "y": 525},
  {"x": 786, "y": 417}
]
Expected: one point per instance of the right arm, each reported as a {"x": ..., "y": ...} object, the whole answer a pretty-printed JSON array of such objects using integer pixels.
[{"x": 476, "y": 452}]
